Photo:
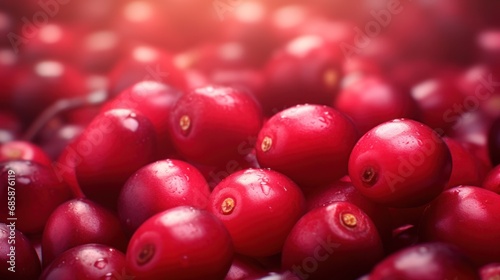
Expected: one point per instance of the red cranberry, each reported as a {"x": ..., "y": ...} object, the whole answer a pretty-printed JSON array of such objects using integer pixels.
[
  {"x": 490, "y": 271},
  {"x": 308, "y": 143},
  {"x": 210, "y": 125},
  {"x": 338, "y": 239},
  {"x": 160, "y": 186},
  {"x": 243, "y": 268},
  {"x": 489, "y": 43},
  {"x": 142, "y": 63},
  {"x": 425, "y": 262},
  {"x": 306, "y": 70},
  {"x": 468, "y": 218},
  {"x": 97, "y": 156},
  {"x": 99, "y": 50},
  {"x": 401, "y": 163},
  {"x": 243, "y": 198},
  {"x": 155, "y": 100},
  {"x": 492, "y": 180},
  {"x": 22, "y": 150},
  {"x": 34, "y": 192},
  {"x": 78, "y": 222},
  {"x": 466, "y": 168},
  {"x": 180, "y": 243},
  {"x": 19, "y": 260},
  {"x": 346, "y": 192},
  {"x": 440, "y": 102},
  {"x": 10, "y": 127},
  {"x": 54, "y": 143},
  {"x": 403, "y": 237},
  {"x": 89, "y": 261},
  {"x": 371, "y": 101},
  {"x": 52, "y": 41},
  {"x": 494, "y": 142}
]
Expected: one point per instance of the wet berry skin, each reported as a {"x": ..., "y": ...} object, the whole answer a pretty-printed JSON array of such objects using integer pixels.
[
  {"x": 468, "y": 218},
  {"x": 308, "y": 143},
  {"x": 401, "y": 163},
  {"x": 209, "y": 125},
  {"x": 427, "y": 261},
  {"x": 259, "y": 208},
  {"x": 22, "y": 263},
  {"x": 159, "y": 186},
  {"x": 338, "y": 239},
  {"x": 181, "y": 243},
  {"x": 89, "y": 261}
]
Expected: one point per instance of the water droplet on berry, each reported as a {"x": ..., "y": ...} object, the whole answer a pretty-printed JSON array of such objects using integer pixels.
[{"x": 101, "y": 263}]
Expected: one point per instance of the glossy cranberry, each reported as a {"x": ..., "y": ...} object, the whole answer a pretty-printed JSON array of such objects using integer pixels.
[
  {"x": 306, "y": 70},
  {"x": 155, "y": 100},
  {"x": 344, "y": 243},
  {"x": 440, "y": 101},
  {"x": 346, "y": 192},
  {"x": 160, "y": 186},
  {"x": 401, "y": 163},
  {"x": 33, "y": 190},
  {"x": 210, "y": 125},
  {"x": 372, "y": 100},
  {"x": 245, "y": 197},
  {"x": 143, "y": 62},
  {"x": 303, "y": 143},
  {"x": 22, "y": 150},
  {"x": 89, "y": 261},
  {"x": 78, "y": 222},
  {"x": 490, "y": 271},
  {"x": 492, "y": 180},
  {"x": 245, "y": 79},
  {"x": 19, "y": 260},
  {"x": 494, "y": 142},
  {"x": 180, "y": 243},
  {"x": 112, "y": 147},
  {"x": 466, "y": 217},
  {"x": 243, "y": 268},
  {"x": 425, "y": 261},
  {"x": 466, "y": 169}
]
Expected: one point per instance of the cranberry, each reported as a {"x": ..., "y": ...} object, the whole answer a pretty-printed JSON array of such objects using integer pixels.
[
  {"x": 10, "y": 127},
  {"x": 143, "y": 62},
  {"x": 89, "y": 261},
  {"x": 371, "y": 101},
  {"x": 425, "y": 261},
  {"x": 440, "y": 101},
  {"x": 401, "y": 163},
  {"x": 23, "y": 150},
  {"x": 494, "y": 142},
  {"x": 52, "y": 41},
  {"x": 30, "y": 185},
  {"x": 54, "y": 143},
  {"x": 490, "y": 271},
  {"x": 346, "y": 192},
  {"x": 467, "y": 217},
  {"x": 210, "y": 125},
  {"x": 303, "y": 143},
  {"x": 155, "y": 100},
  {"x": 78, "y": 222},
  {"x": 180, "y": 243},
  {"x": 489, "y": 43},
  {"x": 99, "y": 50},
  {"x": 245, "y": 197},
  {"x": 306, "y": 70},
  {"x": 97, "y": 156},
  {"x": 344, "y": 242},
  {"x": 492, "y": 180},
  {"x": 19, "y": 260},
  {"x": 243, "y": 268},
  {"x": 160, "y": 186},
  {"x": 466, "y": 168}
]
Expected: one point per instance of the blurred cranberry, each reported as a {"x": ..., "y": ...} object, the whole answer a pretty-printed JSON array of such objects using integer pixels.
[
  {"x": 490, "y": 271},
  {"x": 42, "y": 83},
  {"x": 51, "y": 41},
  {"x": 371, "y": 101},
  {"x": 7, "y": 26},
  {"x": 243, "y": 268},
  {"x": 306, "y": 70},
  {"x": 492, "y": 180},
  {"x": 23, "y": 150},
  {"x": 144, "y": 62},
  {"x": 55, "y": 143},
  {"x": 494, "y": 142},
  {"x": 9, "y": 71},
  {"x": 91, "y": 13},
  {"x": 489, "y": 45},
  {"x": 10, "y": 127},
  {"x": 99, "y": 50},
  {"x": 466, "y": 169}
]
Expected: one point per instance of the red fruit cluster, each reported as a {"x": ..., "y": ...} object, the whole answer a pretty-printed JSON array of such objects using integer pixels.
[{"x": 245, "y": 139}]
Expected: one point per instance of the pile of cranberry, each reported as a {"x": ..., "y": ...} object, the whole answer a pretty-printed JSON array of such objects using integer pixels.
[{"x": 246, "y": 139}]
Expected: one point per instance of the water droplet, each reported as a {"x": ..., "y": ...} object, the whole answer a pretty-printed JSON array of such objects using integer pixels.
[
  {"x": 265, "y": 188},
  {"x": 101, "y": 263}
]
